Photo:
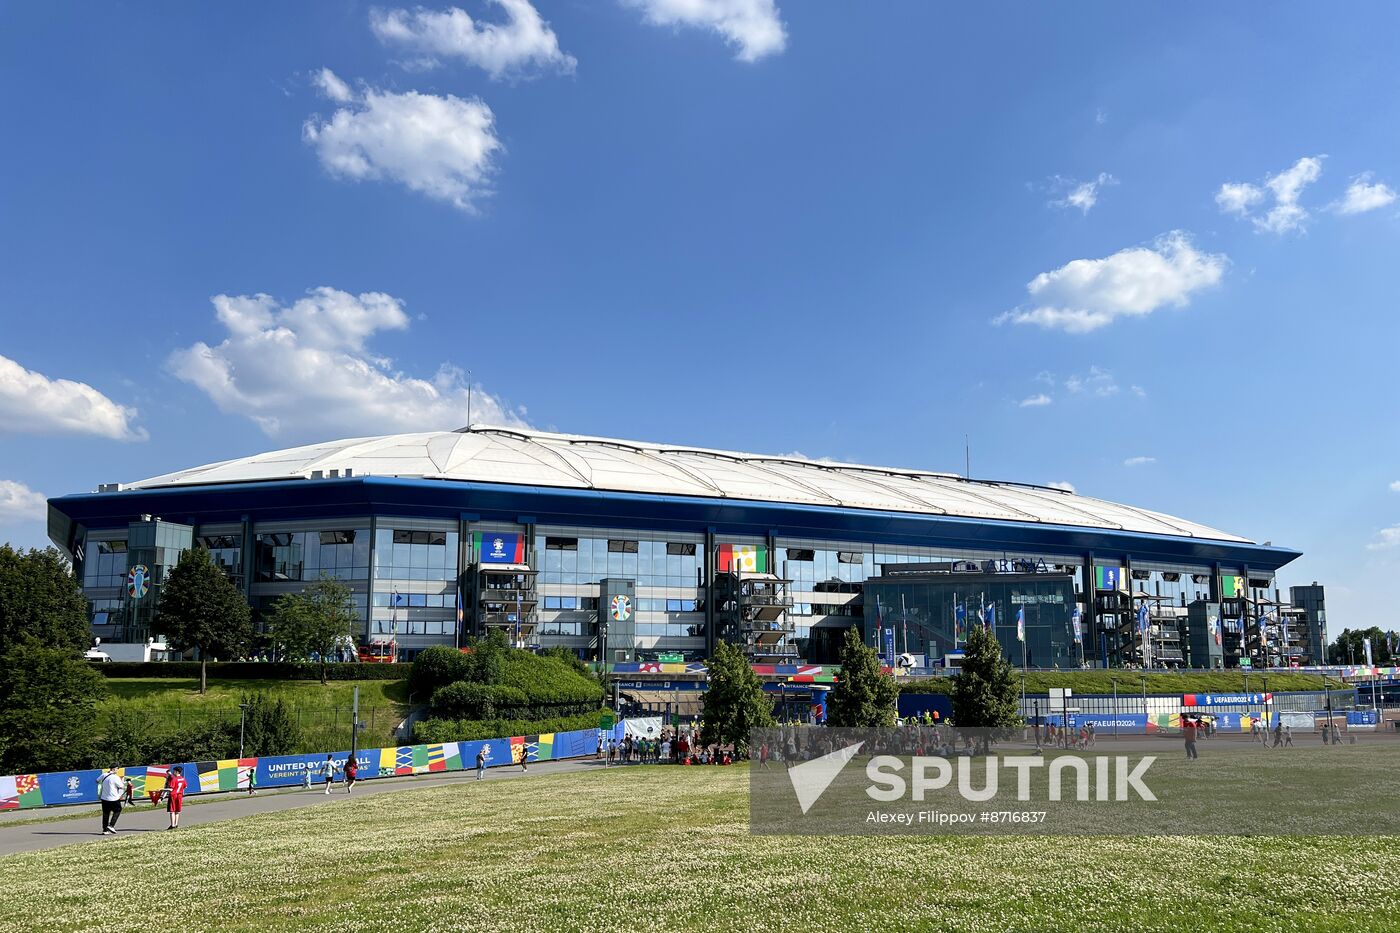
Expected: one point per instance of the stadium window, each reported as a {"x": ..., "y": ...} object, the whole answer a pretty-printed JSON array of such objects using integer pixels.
[
  {"x": 673, "y": 605},
  {"x": 438, "y": 538},
  {"x": 588, "y": 602},
  {"x": 337, "y": 537},
  {"x": 621, "y": 546},
  {"x": 568, "y": 602},
  {"x": 849, "y": 557},
  {"x": 679, "y": 549},
  {"x": 551, "y": 602},
  {"x": 111, "y": 547},
  {"x": 801, "y": 553},
  {"x": 561, "y": 544}
]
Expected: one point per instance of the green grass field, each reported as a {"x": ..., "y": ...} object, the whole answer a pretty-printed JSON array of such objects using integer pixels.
[
  {"x": 669, "y": 848},
  {"x": 322, "y": 710}
]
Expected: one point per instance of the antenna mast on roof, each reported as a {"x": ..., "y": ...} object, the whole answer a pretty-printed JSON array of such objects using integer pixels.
[
  {"x": 469, "y": 401},
  {"x": 967, "y": 462}
]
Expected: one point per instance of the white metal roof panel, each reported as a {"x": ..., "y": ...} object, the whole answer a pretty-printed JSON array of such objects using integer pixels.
[{"x": 484, "y": 454}]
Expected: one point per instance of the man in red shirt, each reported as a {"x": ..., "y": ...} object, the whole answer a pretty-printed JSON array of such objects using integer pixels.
[{"x": 175, "y": 796}]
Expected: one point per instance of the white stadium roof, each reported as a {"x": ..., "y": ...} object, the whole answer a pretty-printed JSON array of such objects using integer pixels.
[{"x": 483, "y": 454}]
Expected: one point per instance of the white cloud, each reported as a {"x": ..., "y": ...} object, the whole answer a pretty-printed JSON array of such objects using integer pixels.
[
  {"x": 523, "y": 42},
  {"x": 1096, "y": 381},
  {"x": 1139, "y": 391},
  {"x": 19, "y": 503},
  {"x": 443, "y": 147},
  {"x": 1385, "y": 538},
  {"x": 1083, "y": 195},
  {"x": 1139, "y": 461},
  {"x": 1087, "y": 294},
  {"x": 1364, "y": 196},
  {"x": 1067, "y": 487},
  {"x": 751, "y": 26},
  {"x": 1395, "y": 486},
  {"x": 304, "y": 369},
  {"x": 1035, "y": 401},
  {"x": 1287, "y": 214},
  {"x": 32, "y": 403},
  {"x": 332, "y": 86},
  {"x": 1100, "y": 116},
  {"x": 1238, "y": 198}
]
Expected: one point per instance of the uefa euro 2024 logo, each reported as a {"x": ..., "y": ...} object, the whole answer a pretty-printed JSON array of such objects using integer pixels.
[
  {"x": 138, "y": 581},
  {"x": 73, "y": 782},
  {"x": 498, "y": 547},
  {"x": 621, "y": 608}
]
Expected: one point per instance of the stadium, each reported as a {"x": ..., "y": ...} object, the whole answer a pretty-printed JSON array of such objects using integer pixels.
[{"x": 627, "y": 551}]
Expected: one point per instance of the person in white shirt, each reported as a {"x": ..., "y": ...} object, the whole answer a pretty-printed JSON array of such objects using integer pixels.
[
  {"x": 328, "y": 770},
  {"x": 111, "y": 787}
]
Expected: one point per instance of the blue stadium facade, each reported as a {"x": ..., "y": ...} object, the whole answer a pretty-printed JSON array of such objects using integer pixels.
[{"x": 625, "y": 550}]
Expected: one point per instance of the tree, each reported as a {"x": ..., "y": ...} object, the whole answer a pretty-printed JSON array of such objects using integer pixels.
[
  {"x": 41, "y": 599},
  {"x": 734, "y": 700},
  {"x": 864, "y": 696},
  {"x": 268, "y": 726},
  {"x": 1348, "y": 648},
  {"x": 199, "y": 608},
  {"x": 48, "y": 709},
  {"x": 315, "y": 622},
  {"x": 984, "y": 691}
]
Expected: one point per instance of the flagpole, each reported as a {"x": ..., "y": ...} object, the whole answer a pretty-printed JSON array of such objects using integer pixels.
[{"x": 904, "y": 620}]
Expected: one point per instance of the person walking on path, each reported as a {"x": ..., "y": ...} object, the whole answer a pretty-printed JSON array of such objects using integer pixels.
[
  {"x": 524, "y": 758},
  {"x": 111, "y": 787},
  {"x": 175, "y": 796},
  {"x": 352, "y": 771},
  {"x": 328, "y": 771},
  {"x": 1278, "y": 734},
  {"x": 129, "y": 795},
  {"x": 252, "y": 781},
  {"x": 1188, "y": 729},
  {"x": 1287, "y": 736},
  {"x": 306, "y": 778},
  {"x": 481, "y": 758}
]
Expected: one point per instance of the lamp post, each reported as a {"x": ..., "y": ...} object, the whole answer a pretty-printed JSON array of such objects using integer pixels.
[
  {"x": 242, "y": 718},
  {"x": 1115, "y": 706}
]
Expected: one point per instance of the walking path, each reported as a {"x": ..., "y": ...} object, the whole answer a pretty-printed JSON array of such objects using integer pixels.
[{"x": 83, "y": 823}]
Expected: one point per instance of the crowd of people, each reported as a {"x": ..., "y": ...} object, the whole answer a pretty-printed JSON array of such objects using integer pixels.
[{"x": 681, "y": 745}]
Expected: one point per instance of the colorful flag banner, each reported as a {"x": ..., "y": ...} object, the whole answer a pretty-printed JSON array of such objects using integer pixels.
[
  {"x": 1021, "y": 623},
  {"x": 1143, "y": 617},
  {"x": 743, "y": 558},
  {"x": 1074, "y": 620}
]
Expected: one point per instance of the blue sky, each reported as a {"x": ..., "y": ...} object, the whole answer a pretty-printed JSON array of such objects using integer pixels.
[{"x": 1149, "y": 252}]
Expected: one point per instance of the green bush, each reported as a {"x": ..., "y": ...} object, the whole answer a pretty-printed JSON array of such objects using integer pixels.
[
  {"x": 205, "y": 741},
  {"x": 464, "y": 700},
  {"x": 268, "y": 726},
  {"x": 256, "y": 670},
  {"x": 437, "y": 667},
  {"x": 428, "y": 731}
]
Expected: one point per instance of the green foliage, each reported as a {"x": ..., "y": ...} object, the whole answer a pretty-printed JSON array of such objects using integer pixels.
[
  {"x": 1348, "y": 648},
  {"x": 473, "y": 730},
  {"x": 734, "y": 701},
  {"x": 205, "y": 741},
  {"x": 436, "y": 667},
  {"x": 256, "y": 670},
  {"x": 569, "y": 658},
  {"x": 48, "y": 707},
  {"x": 985, "y": 694},
  {"x": 314, "y": 622},
  {"x": 268, "y": 726},
  {"x": 864, "y": 696},
  {"x": 465, "y": 700},
  {"x": 199, "y": 608},
  {"x": 41, "y": 599},
  {"x": 129, "y": 735}
]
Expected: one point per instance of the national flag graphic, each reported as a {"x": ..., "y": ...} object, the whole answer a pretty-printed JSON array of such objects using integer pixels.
[
  {"x": 989, "y": 616},
  {"x": 1142, "y": 619},
  {"x": 437, "y": 758},
  {"x": 1021, "y": 624},
  {"x": 403, "y": 759},
  {"x": 1231, "y": 586},
  {"x": 743, "y": 558},
  {"x": 1074, "y": 619},
  {"x": 959, "y": 620}
]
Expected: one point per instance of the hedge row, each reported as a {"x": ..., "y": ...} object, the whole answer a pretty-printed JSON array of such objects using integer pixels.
[
  {"x": 428, "y": 731},
  {"x": 256, "y": 670}
]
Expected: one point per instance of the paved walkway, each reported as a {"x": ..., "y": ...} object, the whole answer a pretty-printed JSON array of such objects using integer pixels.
[{"x": 65, "y": 829}]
